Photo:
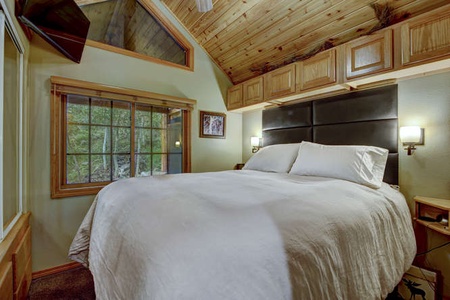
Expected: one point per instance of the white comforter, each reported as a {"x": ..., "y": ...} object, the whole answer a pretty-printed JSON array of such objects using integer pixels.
[{"x": 245, "y": 235}]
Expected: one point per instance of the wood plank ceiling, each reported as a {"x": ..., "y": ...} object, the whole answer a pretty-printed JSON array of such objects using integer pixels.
[{"x": 249, "y": 37}]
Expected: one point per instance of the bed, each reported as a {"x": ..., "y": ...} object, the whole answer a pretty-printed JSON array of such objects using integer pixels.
[{"x": 282, "y": 228}]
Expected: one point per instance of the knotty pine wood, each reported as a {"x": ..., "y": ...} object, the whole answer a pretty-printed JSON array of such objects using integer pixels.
[
  {"x": 8, "y": 246},
  {"x": 317, "y": 71},
  {"x": 6, "y": 281},
  {"x": 234, "y": 98},
  {"x": 369, "y": 55},
  {"x": 425, "y": 39},
  {"x": 253, "y": 91},
  {"x": 280, "y": 82},
  {"x": 240, "y": 35}
]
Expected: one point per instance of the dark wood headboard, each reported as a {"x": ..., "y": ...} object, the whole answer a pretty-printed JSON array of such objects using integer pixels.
[{"x": 358, "y": 118}]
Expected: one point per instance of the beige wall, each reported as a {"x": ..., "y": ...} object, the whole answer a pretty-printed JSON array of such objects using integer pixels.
[
  {"x": 425, "y": 102},
  {"x": 55, "y": 222}
]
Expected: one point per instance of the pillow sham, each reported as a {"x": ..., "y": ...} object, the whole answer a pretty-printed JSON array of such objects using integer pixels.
[
  {"x": 274, "y": 158},
  {"x": 361, "y": 164}
]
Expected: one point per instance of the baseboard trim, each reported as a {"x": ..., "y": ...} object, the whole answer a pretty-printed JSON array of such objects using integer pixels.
[{"x": 54, "y": 270}]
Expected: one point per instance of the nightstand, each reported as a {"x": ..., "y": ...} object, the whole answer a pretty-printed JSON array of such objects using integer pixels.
[
  {"x": 239, "y": 166},
  {"x": 429, "y": 211}
]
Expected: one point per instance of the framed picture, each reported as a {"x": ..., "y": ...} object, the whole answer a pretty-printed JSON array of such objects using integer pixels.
[
  {"x": 212, "y": 124},
  {"x": 420, "y": 282}
]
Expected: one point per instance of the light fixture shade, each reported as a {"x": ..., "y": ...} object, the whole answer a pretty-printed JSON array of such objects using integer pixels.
[
  {"x": 410, "y": 134},
  {"x": 254, "y": 141},
  {"x": 204, "y": 5}
]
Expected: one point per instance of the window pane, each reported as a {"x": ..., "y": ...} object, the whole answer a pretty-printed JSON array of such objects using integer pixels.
[
  {"x": 10, "y": 131},
  {"x": 121, "y": 113},
  {"x": 143, "y": 116},
  {"x": 159, "y": 141},
  {"x": 101, "y": 112},
  {"x": 143, "y": 165},
  {"x": 159, "y": 117},
  {"x": 121, "y": 166},
  {"x": 100, "y": 139},
  {"x": 122, "y": 140},
  {"x": 142, "y": 140},
  {"x": 77, "y": 169},
  {"x": 77, "y": 109},
  {"x": 100, "y": 168},
  {"x": 77, "y": 139},
  {"x": 159, "y": 162}
]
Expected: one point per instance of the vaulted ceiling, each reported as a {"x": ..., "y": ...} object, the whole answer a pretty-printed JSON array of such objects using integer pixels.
[{"x": 249, "y": 37}]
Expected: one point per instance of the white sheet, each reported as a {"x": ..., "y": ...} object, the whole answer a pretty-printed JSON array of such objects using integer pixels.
[{"x": 245, "y": 235}]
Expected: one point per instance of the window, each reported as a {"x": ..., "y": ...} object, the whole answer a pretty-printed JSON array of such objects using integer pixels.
[
  {"x": 103, "y": 136},
  {"x": 138, "y": 29},
  {"x": 11, "y": 84}
]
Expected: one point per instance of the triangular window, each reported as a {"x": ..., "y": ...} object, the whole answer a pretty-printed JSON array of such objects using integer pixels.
[{"x": 136, "y": 29}]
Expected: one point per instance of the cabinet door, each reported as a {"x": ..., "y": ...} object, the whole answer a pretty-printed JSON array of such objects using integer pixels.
[
  {"x": 426, "y": 39},
  {"x": 6, "y": 281},
  {"x": 317, "y": 71},
  {"x": 368, "y": 55},
  {"x": 234, "y": 97},
  {"x": 253, "y": 91},
  {"x": 280, "y": 82}
]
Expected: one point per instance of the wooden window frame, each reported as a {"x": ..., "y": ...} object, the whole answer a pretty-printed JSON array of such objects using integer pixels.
[
  {"x": 152, "y": 9},
  {"x": 63, "y": 86}
]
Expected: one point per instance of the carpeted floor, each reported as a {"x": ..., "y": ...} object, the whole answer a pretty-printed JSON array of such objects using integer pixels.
[{"x": 74, "y": 284}]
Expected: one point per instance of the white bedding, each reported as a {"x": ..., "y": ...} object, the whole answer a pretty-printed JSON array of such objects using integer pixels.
[{"x": 245, "y": 235}]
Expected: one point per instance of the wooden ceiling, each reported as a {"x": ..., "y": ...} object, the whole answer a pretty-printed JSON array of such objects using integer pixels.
[{"x": 258, "y": 35}]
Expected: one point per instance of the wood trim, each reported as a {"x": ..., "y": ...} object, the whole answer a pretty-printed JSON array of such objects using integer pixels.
[
  {"x": 153, "y": 9},
  {"x": 187, "y": 121},
  {"x": 165, "y": 22},
  {"x": 108, "y": 91},
  {"x": 55, "y": 270},
  {"x": 61, "y": 86},
  {"x": 13, "y": 238}
]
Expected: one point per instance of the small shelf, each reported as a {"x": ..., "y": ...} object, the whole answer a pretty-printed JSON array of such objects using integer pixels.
[{"x": 432, "y": 207}]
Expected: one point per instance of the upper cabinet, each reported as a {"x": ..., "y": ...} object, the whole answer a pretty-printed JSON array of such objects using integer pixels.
[
  {"x": 317, "y": 71},
  {"x": 253, "y": 91},
  {"x": 426, "y": 38},
  {"x": 368, "y": 55},
  {"x": 280, "y": 82},
  {"x": 234, "y": 97},
  {"x": 405, "y": 49}
]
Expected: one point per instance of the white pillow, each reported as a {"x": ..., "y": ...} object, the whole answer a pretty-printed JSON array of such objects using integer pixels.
[
  {"x": 360, "y": 164},
  {"x": 274, "y": 158}
]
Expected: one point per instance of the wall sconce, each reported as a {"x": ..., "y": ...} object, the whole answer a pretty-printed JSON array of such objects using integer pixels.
[
  {"x": 411, "y": 136},
  {"x": 177, "y": 144},
  {"x": 256, "y": 143}
]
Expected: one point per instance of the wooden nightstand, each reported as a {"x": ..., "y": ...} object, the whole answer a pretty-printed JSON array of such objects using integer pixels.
[
  {"x": 432, "y": 208},
  {"x": 239, "y": 166}
]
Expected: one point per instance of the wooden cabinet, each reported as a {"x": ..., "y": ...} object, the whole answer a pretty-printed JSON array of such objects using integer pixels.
[
  {"x": 6, "y": 281},
  {"x": 15, "y": 261},
  {"x": 317, "y": 71},
  {"x": 280, "y": 82},
  {"x": 426, "y": 38},
  {"x": 253, "y": 91},
  {"x": 22, "y": 266},
  {"x": 234, "y": 97},
  {"x": 369, "y": 55}
]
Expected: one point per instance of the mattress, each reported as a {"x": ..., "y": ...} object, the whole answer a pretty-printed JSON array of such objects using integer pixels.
[{"x": 245, "y": 235}]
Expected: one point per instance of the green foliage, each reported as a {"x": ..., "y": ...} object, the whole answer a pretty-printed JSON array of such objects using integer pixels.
[{"x": 99, "y": 140}]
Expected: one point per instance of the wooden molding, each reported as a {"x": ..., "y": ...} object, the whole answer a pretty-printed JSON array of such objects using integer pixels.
[{"x": 57, "y": 269}]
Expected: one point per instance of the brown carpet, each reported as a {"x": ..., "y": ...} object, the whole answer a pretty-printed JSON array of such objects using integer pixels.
[{"x": 74, "y": 284}]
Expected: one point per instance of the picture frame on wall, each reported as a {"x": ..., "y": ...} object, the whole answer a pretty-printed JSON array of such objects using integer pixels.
[{"x": 212, "y": 124}]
